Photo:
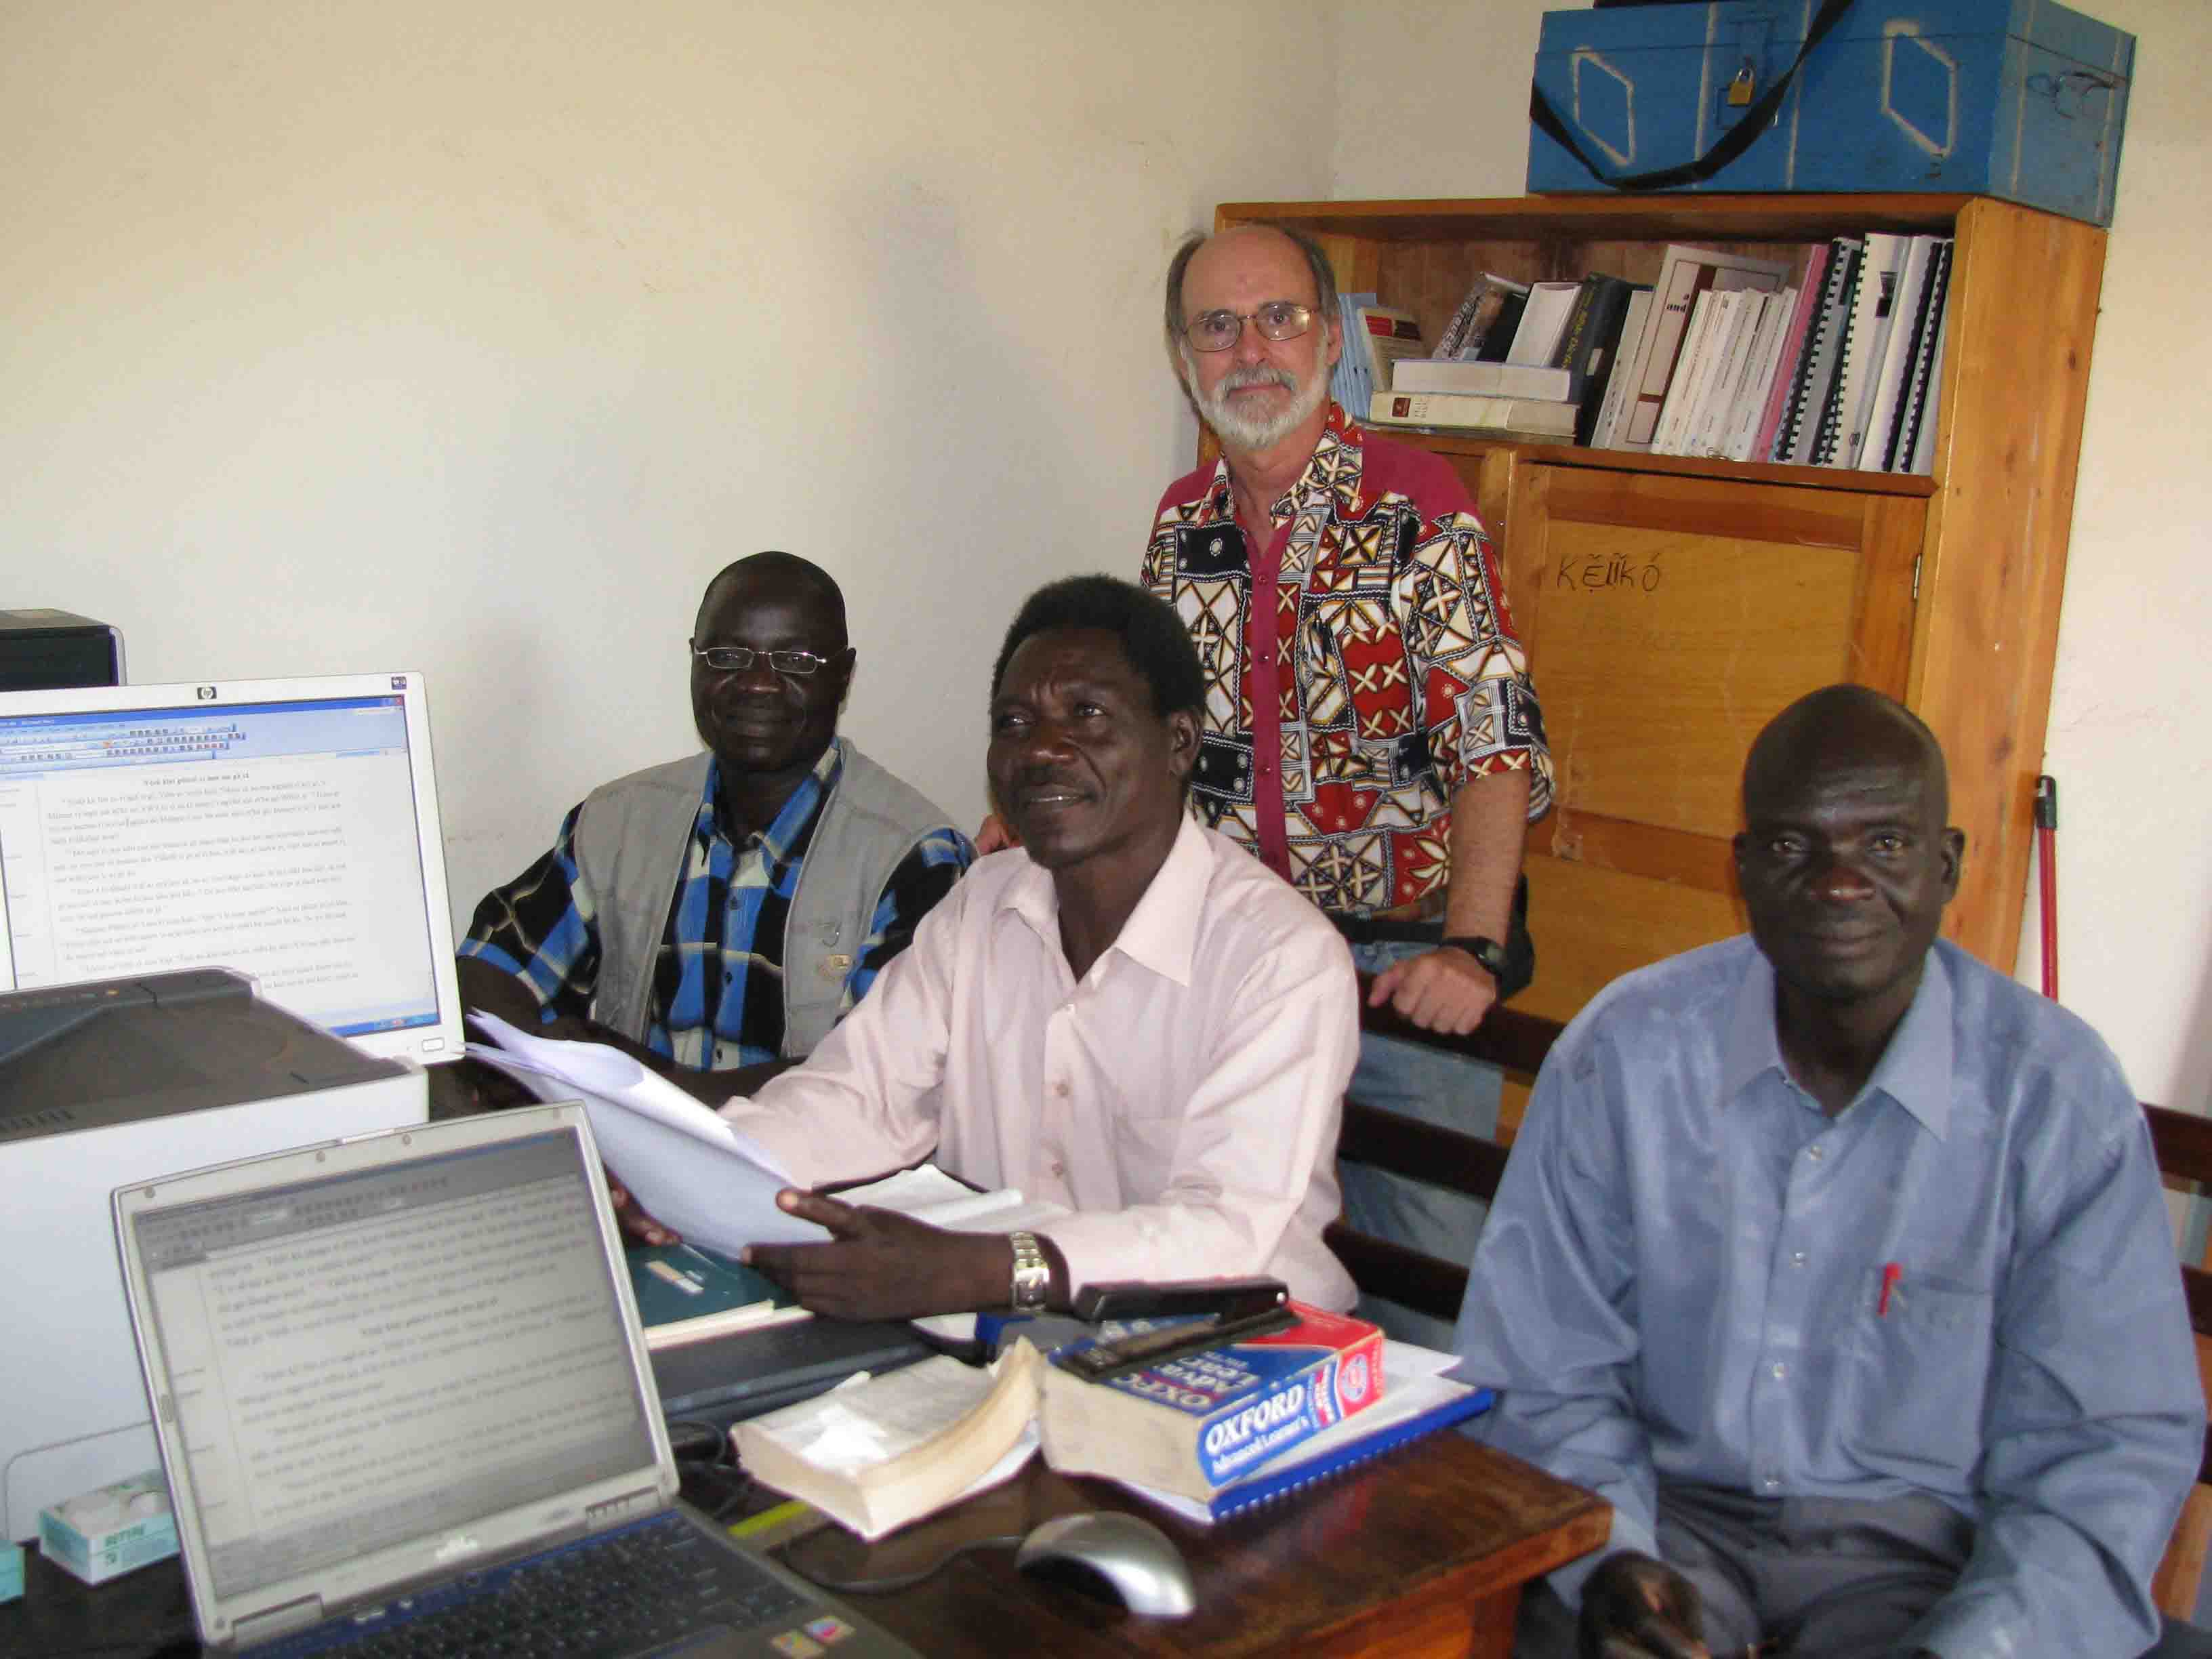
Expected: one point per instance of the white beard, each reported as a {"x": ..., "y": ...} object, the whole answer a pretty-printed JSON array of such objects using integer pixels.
[{"x": 1257, "y": 432}]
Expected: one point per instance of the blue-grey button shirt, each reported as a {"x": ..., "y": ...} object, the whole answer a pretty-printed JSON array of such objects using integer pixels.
[{"x": 1683, "y": 1278}]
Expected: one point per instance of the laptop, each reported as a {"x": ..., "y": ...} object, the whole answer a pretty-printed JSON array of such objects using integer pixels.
[
  {"x": 728, "y": 1378},
  {"x": 400, "y": 1392}
]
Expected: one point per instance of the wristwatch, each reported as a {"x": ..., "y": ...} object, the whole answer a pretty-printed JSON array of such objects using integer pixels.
[
  {"x": 1032, "y": 1273},
  {"x": 1487, "y": 951}
]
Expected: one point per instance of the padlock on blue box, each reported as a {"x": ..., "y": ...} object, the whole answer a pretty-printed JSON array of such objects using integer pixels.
[{"x": 2018, "y": 98}]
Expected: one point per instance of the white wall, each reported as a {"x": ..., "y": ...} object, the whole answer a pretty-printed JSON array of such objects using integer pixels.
[
  {"x": 2128, "y": 740},
  {"x": 474, "y": 338}
]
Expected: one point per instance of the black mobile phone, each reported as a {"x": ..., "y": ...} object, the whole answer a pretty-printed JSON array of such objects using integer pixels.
[{"x": 1227, "y": 1298}]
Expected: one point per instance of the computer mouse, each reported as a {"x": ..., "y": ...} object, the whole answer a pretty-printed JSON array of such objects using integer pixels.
[{"x": 1115, "y": 1557}]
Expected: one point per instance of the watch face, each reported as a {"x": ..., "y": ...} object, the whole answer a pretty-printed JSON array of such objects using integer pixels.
[
  {"x": 1032, "y": 1273},
  {"x": 1487, "y": 951}
]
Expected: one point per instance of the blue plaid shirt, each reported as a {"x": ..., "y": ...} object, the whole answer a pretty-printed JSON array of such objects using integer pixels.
[{"x": 718, "y": 983}]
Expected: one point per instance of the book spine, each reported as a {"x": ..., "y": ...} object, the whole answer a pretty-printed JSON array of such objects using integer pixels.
[
  {"x": 1744, "y": 309},
  {"x": 1917, "y": 417},
  {"x": 1460, "y": 409},
  {"x": 1924, "y": 440},
  {"x": 1682, "y": 281},
  {"x": 1568, "y": 353},
  {"x": 1765, "y": 373},
  {"x": 1353, "y": 360},
  {"x": 1897, "y": 299},
  {"x": 1497, "y": 339},
  {"x": 1793, "y": 352},
  {"x": 1621, "y": 374},
  {"x": 1483, "y": 379},
  {"x": 1747, "y": 309},
  {"x": 1690, "y": 369},
  {"x": 1892, "y": 445},
  {"x": 1871, "y": 290},
  {"x": 1865, "y": 448},
  {"x": 1801, "y": 428},
  {"x": 1455, "y": 331}
]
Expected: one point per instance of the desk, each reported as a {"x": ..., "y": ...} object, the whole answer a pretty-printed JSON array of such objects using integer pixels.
[{"x": 1423, "y": 1553}]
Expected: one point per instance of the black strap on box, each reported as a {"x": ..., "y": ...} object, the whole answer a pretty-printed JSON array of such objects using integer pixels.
[{"x": 1732, "y": 143}]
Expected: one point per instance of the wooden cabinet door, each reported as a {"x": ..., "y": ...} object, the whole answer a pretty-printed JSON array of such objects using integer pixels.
[{"x": 1667, "y": 618}]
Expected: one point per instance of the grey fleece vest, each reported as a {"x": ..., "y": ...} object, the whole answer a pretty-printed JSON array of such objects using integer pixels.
[{"x": 631, "y": 843}]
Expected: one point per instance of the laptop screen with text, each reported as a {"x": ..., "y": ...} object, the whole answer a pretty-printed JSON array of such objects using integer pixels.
[
  {"x": 288, "y": 828},
  {"x": 389, "y": 1353}
]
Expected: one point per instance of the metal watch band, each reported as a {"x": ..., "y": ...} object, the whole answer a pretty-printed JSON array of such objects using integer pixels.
[{"x": 1032, "y": 1273}]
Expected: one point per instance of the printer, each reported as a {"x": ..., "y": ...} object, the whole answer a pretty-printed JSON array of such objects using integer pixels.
[{"x": 102, "y": 1084}]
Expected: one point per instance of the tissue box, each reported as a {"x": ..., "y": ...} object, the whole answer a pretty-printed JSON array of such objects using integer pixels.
[
  {"x": 107, "y": 1533},
  {"x": 2020, "y": 98}
]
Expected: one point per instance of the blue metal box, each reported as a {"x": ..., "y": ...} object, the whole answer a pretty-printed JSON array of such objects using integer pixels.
[{"x": 2019, "y": 99}]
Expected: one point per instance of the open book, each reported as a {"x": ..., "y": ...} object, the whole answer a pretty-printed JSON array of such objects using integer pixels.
[
  {"x": 890, "y": 1450},
  {"x": 884, "y": 1450}
]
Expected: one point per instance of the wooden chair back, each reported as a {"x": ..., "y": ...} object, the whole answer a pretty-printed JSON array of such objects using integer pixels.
[
  {"x": 1510, "y": 1039},
  {"x": 2183, "y": 1141}
]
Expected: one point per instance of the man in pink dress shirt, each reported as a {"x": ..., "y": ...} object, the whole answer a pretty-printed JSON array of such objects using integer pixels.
[{"x": 1126, "y": 1015}]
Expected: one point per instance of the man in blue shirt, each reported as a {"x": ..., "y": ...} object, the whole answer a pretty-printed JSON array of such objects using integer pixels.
[
  {"x": 719, "y": 914},
  {"x": 1837, "y": 1262}
]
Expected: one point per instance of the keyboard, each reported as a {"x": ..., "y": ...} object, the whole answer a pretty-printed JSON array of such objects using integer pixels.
[{"x": 625, "y": 1592}]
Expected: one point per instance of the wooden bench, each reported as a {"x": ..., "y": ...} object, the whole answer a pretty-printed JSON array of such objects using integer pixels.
[{"x": 1518, "y": 1043}]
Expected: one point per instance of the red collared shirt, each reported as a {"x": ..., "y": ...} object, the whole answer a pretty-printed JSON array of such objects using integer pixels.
[{"x": 1380, "y": 593}]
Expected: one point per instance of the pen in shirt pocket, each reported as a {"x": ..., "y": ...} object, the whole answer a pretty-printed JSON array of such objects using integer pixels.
[{"x": 1891, "y": 1272}]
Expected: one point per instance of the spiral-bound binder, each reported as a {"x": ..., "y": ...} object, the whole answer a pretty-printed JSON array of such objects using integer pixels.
[
  {"x": 1859, "y": 363},
  {"x": 1917, "y": 407},
  {"x": 1892, "y": 382},
  {"x": 1793, "y": 441}
]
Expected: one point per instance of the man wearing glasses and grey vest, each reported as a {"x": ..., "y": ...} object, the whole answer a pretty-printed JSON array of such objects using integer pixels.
[{"x": 719, "y": 914}]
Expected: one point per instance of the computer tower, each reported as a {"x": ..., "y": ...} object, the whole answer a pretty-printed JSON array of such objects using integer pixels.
[{"x": 45, "y": 650}]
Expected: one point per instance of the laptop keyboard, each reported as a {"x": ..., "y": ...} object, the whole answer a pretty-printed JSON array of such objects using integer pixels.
[{"x": 623, "y": 1593}]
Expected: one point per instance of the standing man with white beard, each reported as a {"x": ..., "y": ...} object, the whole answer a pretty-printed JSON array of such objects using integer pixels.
[{"x": 1370, "y": 729}]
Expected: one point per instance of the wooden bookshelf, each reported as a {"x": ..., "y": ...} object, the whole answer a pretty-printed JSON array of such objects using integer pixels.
[{"x": 1672, "y": 605}]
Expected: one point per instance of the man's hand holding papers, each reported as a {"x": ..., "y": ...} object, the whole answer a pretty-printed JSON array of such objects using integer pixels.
[
  {"x": 681, "y": 1169},
  {"x": 676, "y": 1168}
]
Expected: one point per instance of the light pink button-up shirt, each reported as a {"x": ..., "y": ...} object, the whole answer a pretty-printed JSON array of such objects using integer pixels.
[{"x": 1182, "y": 1098}]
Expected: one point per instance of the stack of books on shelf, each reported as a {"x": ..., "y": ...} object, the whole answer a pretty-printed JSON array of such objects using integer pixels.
[
  {"x": 1375, "y": 336},
  {"x": 1528, "y": 361},
  {"x": 1834, "y": 359}
]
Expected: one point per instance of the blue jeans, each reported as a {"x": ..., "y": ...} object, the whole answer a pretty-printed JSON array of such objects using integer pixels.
[{"x": 1443, "y": 1089}]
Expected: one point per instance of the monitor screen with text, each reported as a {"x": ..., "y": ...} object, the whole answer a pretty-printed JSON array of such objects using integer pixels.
[{"x": 288, "y": 828}]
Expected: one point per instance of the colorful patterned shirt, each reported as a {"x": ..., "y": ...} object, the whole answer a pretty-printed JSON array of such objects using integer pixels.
[
  {"x": 724, "y": 932},
  {"x": 1382, "y": 592}
]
